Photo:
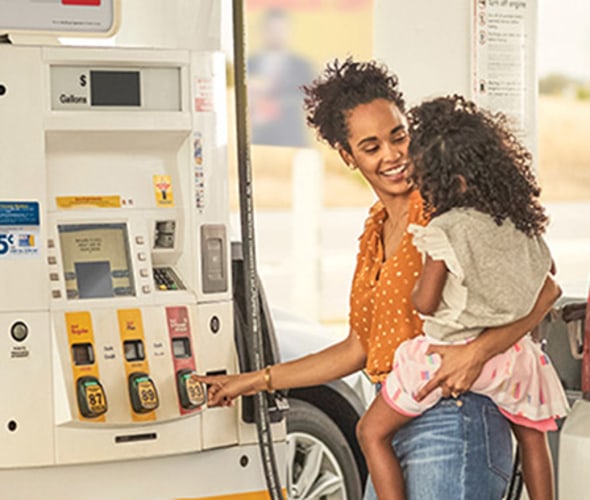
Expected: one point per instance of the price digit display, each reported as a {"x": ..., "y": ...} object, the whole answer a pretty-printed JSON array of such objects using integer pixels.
[{"x": 6, "y": 241}]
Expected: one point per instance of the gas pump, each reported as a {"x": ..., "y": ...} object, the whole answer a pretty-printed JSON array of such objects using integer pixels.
[{"x": 116, "y": 270}]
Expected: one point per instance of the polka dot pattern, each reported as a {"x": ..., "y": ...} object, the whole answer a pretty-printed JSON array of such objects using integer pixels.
[{"x": 381, "y": 312}]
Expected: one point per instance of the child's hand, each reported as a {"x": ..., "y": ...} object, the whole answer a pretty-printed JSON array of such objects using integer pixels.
[{"x": 460, "y": 367}]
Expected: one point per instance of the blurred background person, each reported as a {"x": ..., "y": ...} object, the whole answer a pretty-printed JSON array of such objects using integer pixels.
[{"x": 275, "y": 77}]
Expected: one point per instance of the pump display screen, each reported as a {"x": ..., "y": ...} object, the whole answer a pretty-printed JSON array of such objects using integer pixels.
[
  {"x": 114, "y": 88},
  {"x": 96, "y": 261},
  {"x": 133, "y": 350},
  {"x": 181, "y": 347},
  {"x": 83, "y": 354}
]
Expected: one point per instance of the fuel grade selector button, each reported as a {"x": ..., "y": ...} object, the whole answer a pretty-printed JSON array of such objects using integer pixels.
[
  {"x": 143, "y": 393},
  {"x": 92, "y": 400},
  {"x": 191, "y": 392}
]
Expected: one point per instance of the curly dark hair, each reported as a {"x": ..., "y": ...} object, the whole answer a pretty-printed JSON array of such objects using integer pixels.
[
  {"x": 342, "y": 87},
  {"x": 450, "y": 137}
]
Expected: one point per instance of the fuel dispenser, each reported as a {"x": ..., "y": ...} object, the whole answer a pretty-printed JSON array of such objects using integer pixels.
[{"x": 116, "y": 277}]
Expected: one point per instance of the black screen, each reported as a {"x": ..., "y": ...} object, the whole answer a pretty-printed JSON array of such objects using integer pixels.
[
  {"x": 114, "y": 88},
  {"x": 133, "y": 350},
  {"x": 181, "y": 347},
  {"x": 83, "y": 354},
  {"x": 94, "y": 279}
]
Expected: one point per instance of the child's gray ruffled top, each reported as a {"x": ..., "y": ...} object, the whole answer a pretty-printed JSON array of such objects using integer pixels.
[{"x": 495, "y": 272}]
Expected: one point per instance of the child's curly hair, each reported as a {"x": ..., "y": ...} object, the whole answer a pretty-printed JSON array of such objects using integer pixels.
[
  {"x": 450, "y": 137},
  {"x": 342, "y": 87}
]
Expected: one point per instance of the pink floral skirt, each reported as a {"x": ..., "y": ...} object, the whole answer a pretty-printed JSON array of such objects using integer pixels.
[{"x": 521, "y": 381}]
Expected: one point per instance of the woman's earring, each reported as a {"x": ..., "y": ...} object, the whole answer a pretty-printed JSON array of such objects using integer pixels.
[{"x": 352, "y": 166}]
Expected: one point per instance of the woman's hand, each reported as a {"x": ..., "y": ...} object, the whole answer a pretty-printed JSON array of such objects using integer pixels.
[
  {"x": 460, "y": 367},
  {"x": 223, "y": 389},
  {"x": 331, "y": 363}
]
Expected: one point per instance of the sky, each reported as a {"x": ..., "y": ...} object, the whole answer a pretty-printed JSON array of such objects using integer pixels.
[{"x": 564, "y": 38}]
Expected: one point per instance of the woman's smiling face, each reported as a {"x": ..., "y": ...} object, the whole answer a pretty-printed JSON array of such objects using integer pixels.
[{"x": 378, "y": 139}]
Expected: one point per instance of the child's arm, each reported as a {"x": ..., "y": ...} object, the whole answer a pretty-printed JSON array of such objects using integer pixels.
[
  {"x": 428, "y": 290},
  {"x": 462, "y": 364}
]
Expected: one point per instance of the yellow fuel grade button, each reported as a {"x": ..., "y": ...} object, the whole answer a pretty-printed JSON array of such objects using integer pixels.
[
  {"x": 92, "y": 400},
  {"x": 143, "y": 393}
]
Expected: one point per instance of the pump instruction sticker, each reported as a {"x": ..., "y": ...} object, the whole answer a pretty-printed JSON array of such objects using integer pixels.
[
  {"x": 199, "y": 171},
  {"x": 19, "y": 229},
  {"x": 88, "y": 201},
  {"x": 163, "y": 191},
  {"x": 503, "y": 50}
]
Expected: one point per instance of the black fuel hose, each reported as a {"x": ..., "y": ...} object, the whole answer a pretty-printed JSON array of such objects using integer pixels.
[{"x": 251, "y": 307}]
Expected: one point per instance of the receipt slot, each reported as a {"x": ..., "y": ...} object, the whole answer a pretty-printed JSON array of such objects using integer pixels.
[
  {"x": 143, "y": 393},
  {"x": 92, "y": 400}
]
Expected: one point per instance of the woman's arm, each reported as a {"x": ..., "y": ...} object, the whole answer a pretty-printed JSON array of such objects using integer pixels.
[
  {"x": 461, "y": 365},
  {"x": 343, "y": 358},
  {"x": 428, "y": 290}
]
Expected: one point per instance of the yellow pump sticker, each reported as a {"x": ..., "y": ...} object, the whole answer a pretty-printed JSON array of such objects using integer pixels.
[
  {"x": 163, "y": 191},
  {"x": 88, "y": 201},
  {"x": 81, "y": 342},
  {"x": 134, "y": 355}
]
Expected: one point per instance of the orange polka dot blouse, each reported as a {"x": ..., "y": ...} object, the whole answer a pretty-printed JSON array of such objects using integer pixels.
[{"x": 381, "y": 311}]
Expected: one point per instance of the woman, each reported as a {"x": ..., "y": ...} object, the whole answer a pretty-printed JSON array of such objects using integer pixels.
[{"x": 358, "y": 109}]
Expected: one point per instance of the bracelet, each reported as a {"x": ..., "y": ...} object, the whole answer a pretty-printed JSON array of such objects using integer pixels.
[{"x": 268, "y": 379}]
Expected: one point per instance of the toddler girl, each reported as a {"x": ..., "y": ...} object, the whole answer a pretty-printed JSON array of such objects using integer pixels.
[{"x": 485, "y": 264}]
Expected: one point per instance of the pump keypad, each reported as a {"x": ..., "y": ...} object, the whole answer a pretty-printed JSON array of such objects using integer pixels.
[{"x": 166, "y": 279}]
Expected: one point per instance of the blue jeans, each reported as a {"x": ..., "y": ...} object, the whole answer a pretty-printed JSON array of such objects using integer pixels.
[{"x": 455, "y": 452}]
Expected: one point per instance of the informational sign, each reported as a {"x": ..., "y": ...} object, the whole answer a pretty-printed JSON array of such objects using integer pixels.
[
  {"x": 59, "y": 16},
  {"x": 504, "y": 68},
  {"x": 19, "y": 229},
  {"x": 163, "y": 191},
  {"x": 199, "y": 171}
]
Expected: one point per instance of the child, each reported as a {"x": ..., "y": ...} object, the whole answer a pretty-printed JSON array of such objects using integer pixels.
[{"x": 485, "y": 263}]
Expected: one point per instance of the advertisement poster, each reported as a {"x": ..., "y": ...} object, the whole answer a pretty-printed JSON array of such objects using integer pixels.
[
  {"x": 504, "y": 65},
  {"x": 19, "y": 229}
]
